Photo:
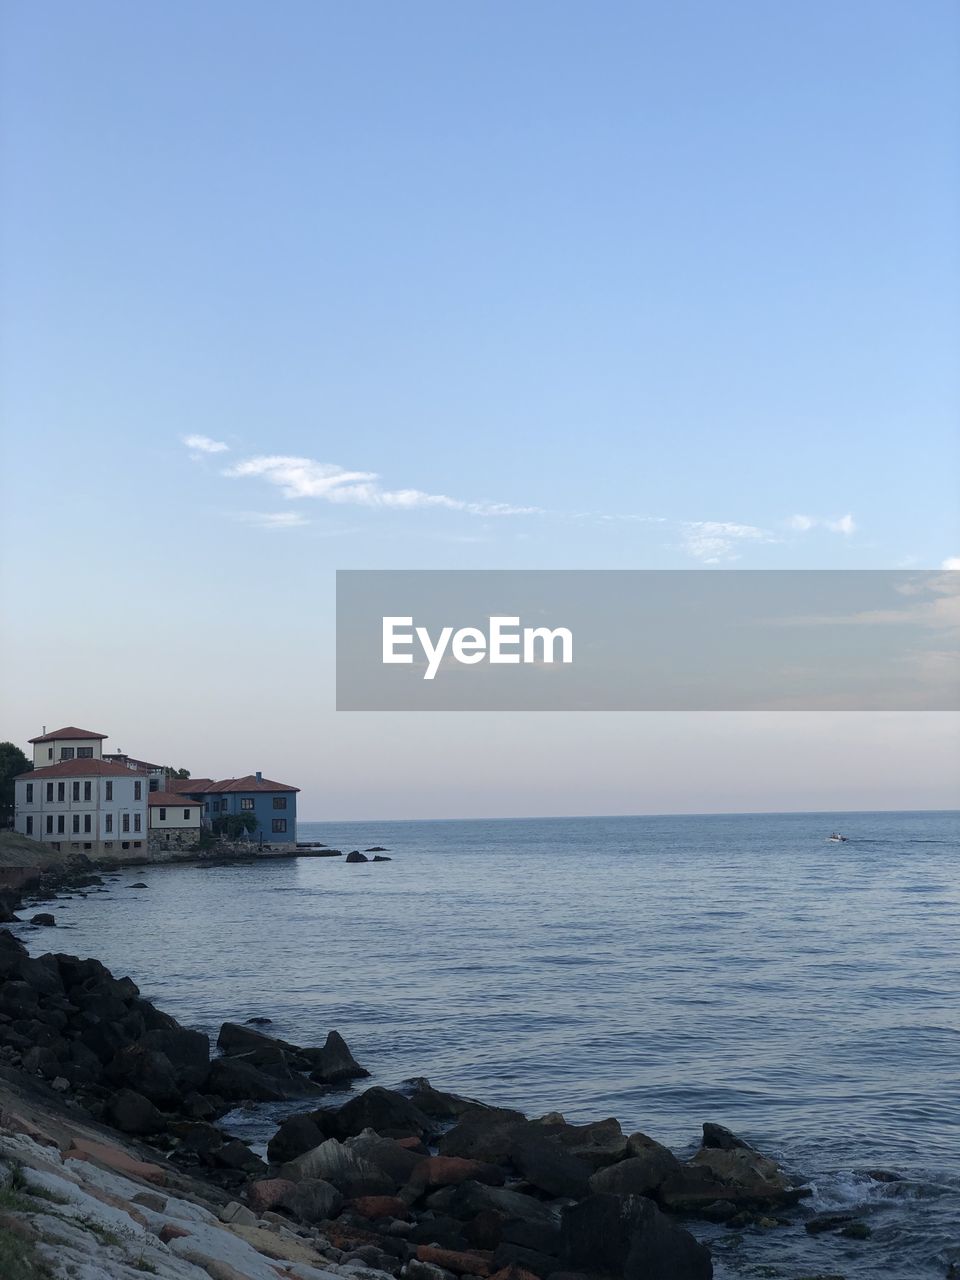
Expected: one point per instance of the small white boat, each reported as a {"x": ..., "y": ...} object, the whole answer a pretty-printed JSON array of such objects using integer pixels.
[{"x": 837, "y": 838}]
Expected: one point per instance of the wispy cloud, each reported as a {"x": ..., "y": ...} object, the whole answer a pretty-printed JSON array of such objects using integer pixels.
[
  {"x": 803, "y": 524},
  {"x": 274, "y": 519},
  {"x": 715, "y": 540},
  {"x": 203, "y": 444},
  {"x": 306, "y": 478},
  {"x": 951, "y": 562}
]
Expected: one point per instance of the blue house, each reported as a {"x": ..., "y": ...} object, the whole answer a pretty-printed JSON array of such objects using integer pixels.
[{"x": 273, "y": 804}]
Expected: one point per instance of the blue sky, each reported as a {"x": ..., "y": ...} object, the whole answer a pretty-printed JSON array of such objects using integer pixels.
[{"x": 613, "y": 286}]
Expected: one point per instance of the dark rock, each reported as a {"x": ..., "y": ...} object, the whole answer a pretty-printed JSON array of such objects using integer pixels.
[
  {"x": 738, "y": 1175},
  {"x": 389, "y": 1113},
  {"x": 485, "y": 1135},
  {"x": 131, "y": 1112},
  {"x": 381, "y": 858},
  {"x": 259, "y": 1022},
  {"x": 187, "y": 1051},
  {"x": 829, "y": 1222},
  {"x": 236, "y": 1040},
  {"x": 629, "y": 1236},
  {"x": 883, "y": 1175},
  {"x": 539, "y": 1236},
  {"x": 295, "y": 1136},
  {"x": 376, "y": 848},
  {"x": 715, "y": 1136},
  {"x": 312, "y": 1201},
  {"x": 197, "y": 1137},
  {"x": 396, "y": 1162},
  {"x": 345, "y": 1169},
  {"x": 472, "y": 1198},
  {"x": 440, "y": 1105},
  {"x": 548, "y": 1167},
  {"x": 43, "y": 918},
  {"x": 138, "y": 885},
  {"x": 237, "y": 1155},
  {"x": 333, "y": 1061},
  {"x": 639, "y": 1175},
  {"x": 41, "y": 1061},
  {"x": 856, "y": 1231},
  {"x": 515, "y": 1255},
  {"x": 236, "y": 1080},
  {"x": 199, "y": 1106},
  {"x": 441, "y": 1230},
  {"x": 18, "y": 999},
  {"x": 146, "y": 1071},
  {"x": 599, "y": 1143},
  {"x": 356, "y": 856}
]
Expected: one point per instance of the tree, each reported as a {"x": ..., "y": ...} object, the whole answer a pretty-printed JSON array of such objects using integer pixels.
[
  {"x": 12, "y": 762},
  {"x": 176, "y": 773},
  {"x": 233, "y": 825}
]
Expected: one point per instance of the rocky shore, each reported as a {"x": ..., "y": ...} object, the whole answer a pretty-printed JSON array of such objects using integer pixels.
[{"x": 115, "y": 1161}]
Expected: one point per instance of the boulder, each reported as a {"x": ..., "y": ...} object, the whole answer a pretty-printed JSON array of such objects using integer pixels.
[
  {"x": 638, "y": 1175},
  {"x": 296, "y": 1135},
  {"x": 386, "y": 1154},
  {"x": 146, "y": 1071},
  {"x": 237, "y": 1155},
  {"x": 237, "y": 1080},
  {"x": 333, "y": 1061},
  {"x": 550, "y": 1168},
  {"x": 267, "y": 1193},
  {"x": 630, "y": 1237},
  {"x": 514, "y": 1260},
  {"x": 375, "y": 1207},
  {"x": 717, "y": 1137},
  {"x": 473, "y": 1198},
  {"x": 43, "y": 918},
  {"x": 600, "y": 1143},
  {"x": 236, "y": 1040},
  {"x": 434, "y": 1102},
  {"x": 487, "y": 1135},
  {"x": 131, "y": 1112},
  {"x": 388, "y": 1112},
  {"x": 738, "y": 1176},
  {"x": 356, "y": 856},
  {"x": 348, "y": 1172},
  {"x": 188, "y": 1052}
]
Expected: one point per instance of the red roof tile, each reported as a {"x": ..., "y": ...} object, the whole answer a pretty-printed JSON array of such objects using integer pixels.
[
  {"x": 79, "y": 769},
  {"x": 171, "y": 799},
  {"x": 70, "y": 734},
  {"x": 250, "y": 783},
  {"x": 187, "y": 785}
]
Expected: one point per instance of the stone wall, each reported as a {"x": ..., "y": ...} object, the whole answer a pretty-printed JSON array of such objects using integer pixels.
[{"x": 173, "y": 841}]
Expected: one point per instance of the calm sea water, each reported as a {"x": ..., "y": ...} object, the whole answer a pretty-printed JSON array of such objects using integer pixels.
[{"x": 663, "y": 970}]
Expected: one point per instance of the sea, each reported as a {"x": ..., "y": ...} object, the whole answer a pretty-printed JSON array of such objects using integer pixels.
[{"x": 664, "y": 970}]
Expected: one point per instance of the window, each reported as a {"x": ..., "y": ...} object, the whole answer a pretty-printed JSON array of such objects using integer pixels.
[
  {"x": 136, "y": 822},
  {"x": 279, "y": 802},
  {"x": 74, "y": 846},
  {"x": 108, "y": 822},
  {"x": 49, "y": 824},
  {"x": 206, "y": 806},
  {"x": 66, "y": 753},
  {"x": 49, "y": 790},
  {"x": 154, "y": 784},
  {"x": 137, "y": 844},
  {"x": 246, "y": 803},
  {"x": 61, "y": 790},
  {"x": 86, "y": 822},
  {"x": 29, "y": 793},
  {"x": 163, "y": 815},
  {"x": 60, "y": 825},
  {"x": 87, "y": 790},
  {"x": 76, "y": 822},
  {"x": 186, "y": 815},
  {"x": 29, "y": 826},
  {"x": 49, "y": 753},
  {"x": 108, "y": 792},
  {"x": 84, "y": 753},
  {"x": 108, "y": 844},
  {"x": 76, "y": 791},
  {"x": 87, "y": 844},
  {"x": 125, "y": 844},
  {"x": 126, "y": 823},
  {"x": 280, "y": 824},
  {"x": 137, "y": 790}
]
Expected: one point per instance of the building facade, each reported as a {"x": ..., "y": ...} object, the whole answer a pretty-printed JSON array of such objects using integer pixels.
[
  {"x": 69, "y": 743},
  {"x": 272, "y": 805},
  {"x": 175, "y": 822},
  {"x": 85, "y": 805}
]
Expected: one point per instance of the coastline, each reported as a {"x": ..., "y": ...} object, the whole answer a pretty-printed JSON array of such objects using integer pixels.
[{"x": 491, "y": 1192}]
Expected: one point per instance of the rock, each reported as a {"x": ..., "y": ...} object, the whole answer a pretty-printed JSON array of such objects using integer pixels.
[
  {"x": 236, "y": 1040},
  {"x": 386, "y": 1154},
  {"x": 188, "y": 1052},
  {"x": 131, "y": 1112},
  {"x": 381, "y": 858},
  {"x": 295, "y": 1136},
  {"x": 139, "y": 885},
  {"x": 376, "y": 848},
  {"x": 440, "y": 1105},
  {"x": 883, "y": 1175},
  {"x": 629, "y": 1236},
  {"x": 548, "y": 1167},
  {"x": 753, "y": 1177},
  {"x": 375, "y": 1207},
  {"x": 472, "y": 1198},
  {"x": 639, "y": 1175},
  {"x": 61, "y": 1084},
  {"x": 237, "y": 1213},
  {"x": 599, "y": 1143},
  {"x": 356, "y": 856},
  {"x": 856, "y": 1231},
  {"x": 333, "y": 1061},
  {"x": 114, "y": 1158},
  {"x": 461, "y": 1264},
  {"x": 388, "y": 1112},
  {"x": 435, "y": 1172},
  {"x": 259, "y": 1021},
  {"x": 312, "y": 1200},
  {"x": 829, "y": 1222},
  {"x": 146, "y": 1071},
  {"x": 237, "y": 1155},
  {"x": 237, "y": 1080},
  {"x": 487, "y": 1135},
  {"x": 348, "y": 1172},
  {"x": 716, "y": 1137},
  {"x": 43, "y": 918},
  {"x": 41, "y": 1061},
  {"x": 267, "y": 1193},
  {"x": 514, "y": 1260}
]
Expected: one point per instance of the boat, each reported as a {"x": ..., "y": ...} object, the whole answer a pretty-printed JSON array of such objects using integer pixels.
[{"x": 837, "y": 838}]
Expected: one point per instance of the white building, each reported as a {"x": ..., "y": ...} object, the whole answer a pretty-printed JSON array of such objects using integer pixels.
[
  {"x": 174, "y": 821},
  {"x": 83, "y": 805},
  {"x": 69, "y": 743}
]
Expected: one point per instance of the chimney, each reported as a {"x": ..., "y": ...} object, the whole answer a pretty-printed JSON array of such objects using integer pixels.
[{"x": 259, "y": 776}]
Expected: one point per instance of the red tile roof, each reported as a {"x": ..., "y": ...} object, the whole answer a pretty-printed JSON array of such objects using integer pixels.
[
  {"x": 70, "y": 734},
  {"x": 250, "y": 783},
  {"x": 78, "y": 769},
  {"x": 187, "y": 785},
  {"x": 171, "y": 799}
]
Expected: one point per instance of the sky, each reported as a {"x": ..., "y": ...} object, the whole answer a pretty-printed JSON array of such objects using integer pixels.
[{"x": 623, "y": 285}]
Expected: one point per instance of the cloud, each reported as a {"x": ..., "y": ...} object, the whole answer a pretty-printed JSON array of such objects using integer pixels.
[
  {"x": 714, "y": 540},
  {"x": 203, "y": 444},
  {"x": 951, "y": 562},
  {"x": 803, "y": 524},
  {"x": 306, "y": 478},
  {"x": 274, "y": 519}
]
